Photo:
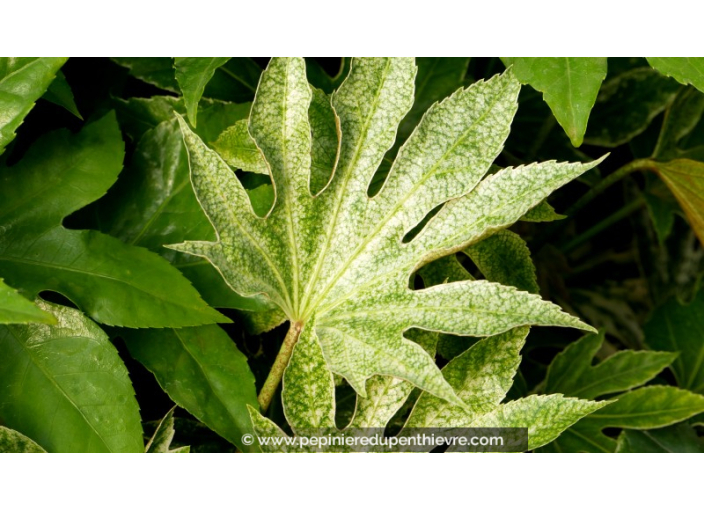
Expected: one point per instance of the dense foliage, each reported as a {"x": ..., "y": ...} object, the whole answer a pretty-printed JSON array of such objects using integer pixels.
[{"x": 195, "y": 252}]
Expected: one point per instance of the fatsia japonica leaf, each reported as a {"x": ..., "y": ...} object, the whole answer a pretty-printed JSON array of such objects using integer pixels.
[
  {"x": 569, "y": 85},
  {"x": 15, "y": 309},
  {"x": 686, "y": 70},
  {"x": 481, "y": 377},
  {"x": 505, "y": 258},
  {"x": 192, "y": 75},
  {"x": 572, "y": 372},
  {"x": 678, "y": 327},
  {"x": 22, "y": 82},
  {"x": 60, "y": 93},
  {"x": 12, "y": 441},
  {"x": 160, "y": 441},
  {"x": 340, "y": 255},
  {"x": 236, "y": 80},
  {"x": 66, "y": 387},
  {"x": 650, "y": 407},
  {"x": 202, "y": 371},
  {"x": 114, "y": 283},
  {"x": 680, "y": 438}
]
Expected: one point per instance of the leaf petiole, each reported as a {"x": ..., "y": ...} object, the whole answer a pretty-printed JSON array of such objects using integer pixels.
[{"x": 277, "y": 370}]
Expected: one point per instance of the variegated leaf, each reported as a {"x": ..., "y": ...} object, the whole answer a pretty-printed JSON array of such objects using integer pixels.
[{"x": 340, "y": 255}]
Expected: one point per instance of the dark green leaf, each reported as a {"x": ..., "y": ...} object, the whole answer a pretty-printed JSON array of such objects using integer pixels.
[
  {"x": 60, "y": 93},
  {"x": 115, "y": 283},
  {"x": 685, "y": 178},
  {"x": 676, "y": 439},
  {"x": 626, "y": 105},
  {"x": 572, "y": 372},
  {"x": 202, "y": 371},
  {"x": 680, "y": 328}
]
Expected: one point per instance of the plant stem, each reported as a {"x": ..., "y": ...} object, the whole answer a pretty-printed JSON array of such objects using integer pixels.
[
  {"x": 622, "y": 213},
  {"x": 633, "y": 166},
  {"x": 280, "y": 363}
]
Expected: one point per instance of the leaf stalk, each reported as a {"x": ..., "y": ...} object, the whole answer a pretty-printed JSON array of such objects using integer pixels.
[{"x": 280, "y": 363}]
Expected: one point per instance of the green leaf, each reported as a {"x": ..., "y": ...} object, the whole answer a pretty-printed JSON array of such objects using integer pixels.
[
  {"x": 676, "y": 439},
  {"x": 16, "y": 309},
  {"x": 505, "y": 258},
  {"x": 572, "y": 372},
  {"x": 685, "y": 178},
  {"x": 677, "y": 327},
  {"x": 114, "y": 283},
  {"x": 686, "y": 70},
  {"x": 642, "y": 409},
  {"x": 235, "y": 81},
  {"x": 66, "y": 386},
  {"x": 192, "y": 75},
  {"x": 138, "y": 115},
  {"x": 626, "y": 105},
  {"x": 308, "y": 387},
  {"x": 681, "y": 119},
  {"x": 156, "y": 206},
  {"x": 160, "y": 441},
  {"x": 157, "y": 71},
  {"x": 569, "y": 85},
  {"x": 545, "y": 416},
  {"x": 339, "y": 255},
  {"x": 22, "y": 82},
  {"x": 481, "y": 377},
  {"x": 12, "y": 441},
  {"x": 203, "y": 372},
  {"x": 236, "y": 146},
  {"x": 320, "y": 79},
  {"x": 60, "y": 93},
  {"x": 437, "y": 78},
  {"x": 541, "y": 213}
]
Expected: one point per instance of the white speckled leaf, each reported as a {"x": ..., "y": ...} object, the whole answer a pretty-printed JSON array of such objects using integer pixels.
[
  {"x": 505, "y": 258},
  {"x": 340, "y": 255},
  {"x": 308, "y": 388},
  {"x": 12, "y": 441},
  {"x": 545, "y": 416},
  {"x": 480, "y": 377},
  {"x": 236, "y": 146}
]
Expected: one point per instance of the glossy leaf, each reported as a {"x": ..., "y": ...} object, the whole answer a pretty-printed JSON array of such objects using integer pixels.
[
  {"x": 572, "y": 372},
  {"x": 15, "y": 309},
  {"x": 114, "y": 283},
  {"x": 685, "y": 178},
  {"x": 66, "y": 386},
  {"x": 626, "y": 105},
  {"x": 678, "y": 328},
  {"x": 339, "y": 255},
  {"x": 203, "y": 372},
  {"x": 156, "y": 206},
  {"x": 12, "y": 441},
  {"x": 60, "y": 93},
  {"x": 22, "y": 82},
  {"x": 192, "y": 75},
  {"x": 686, "y": 70},
  {"x": 569, "y": 85}
]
